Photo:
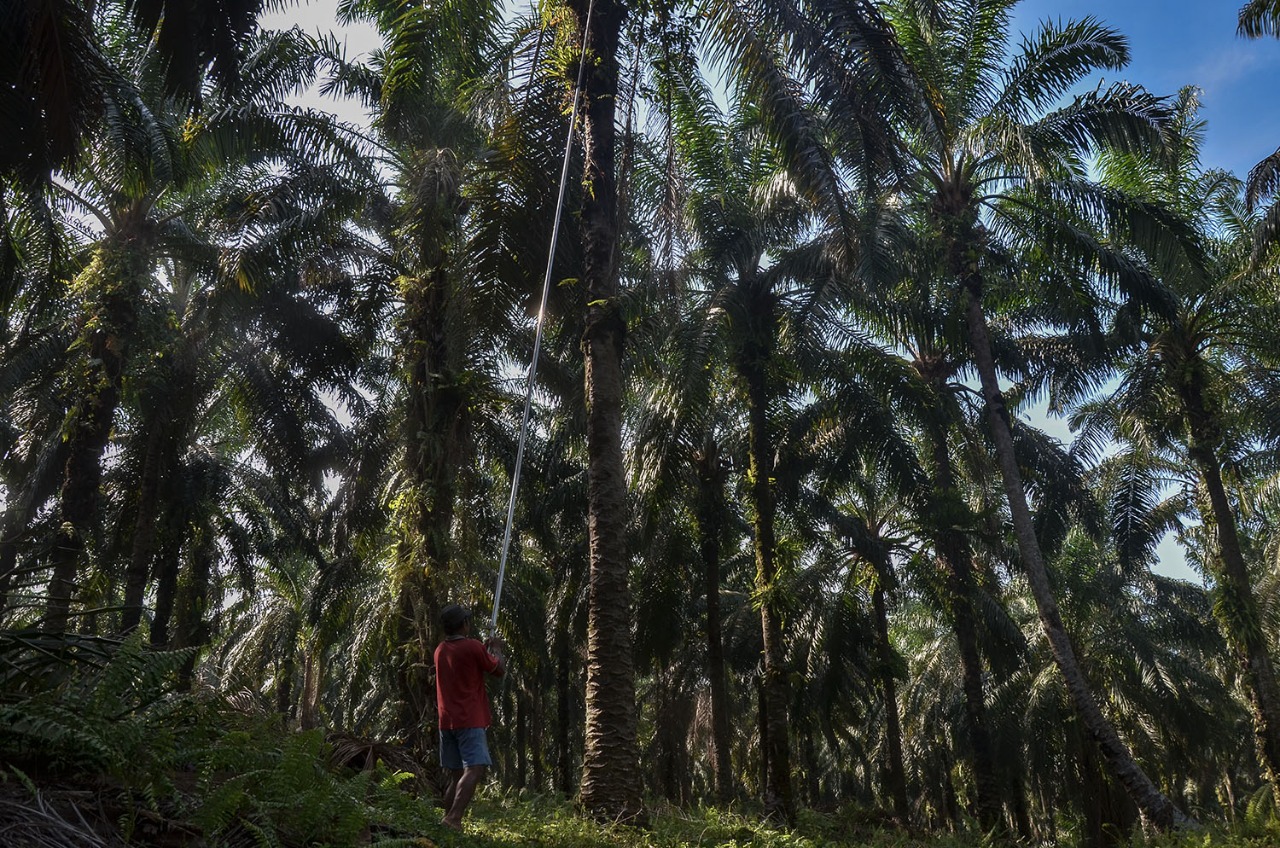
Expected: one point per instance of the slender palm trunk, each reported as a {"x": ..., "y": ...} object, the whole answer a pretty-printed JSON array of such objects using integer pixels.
[
  {"x": 168, "y": 564},
  {"x": 1238, "y": 610},
  {"x": 779, "y": 799},
  {"x": 1157, "y": 808},
  {"x": 897, "y": 788},
  {"x": 762, "y": 729},
  {"x": 191, "y": 619},
  {"x": 564, "y": 714},
  {"x": 8, "y": 563},
  {"x": 284, "y": 689},
  {"x": 957, "y": 559},
  {"x": 611, "y": 782},
  {"x": 142, "y": 550},
  {"x": 522, "y": 742},
  {"x": 111, "y": 283},
  {"x": 537, "y": 721},
  {"x": 43, "y": 480},
  {"x": 312, "y": 683},
  {"x": 710, "y": 524}
]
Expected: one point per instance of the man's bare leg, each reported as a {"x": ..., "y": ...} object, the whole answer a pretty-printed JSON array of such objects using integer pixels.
[
  {"x": 451, "y": 788},
  {"x": 462, "y": 790}
]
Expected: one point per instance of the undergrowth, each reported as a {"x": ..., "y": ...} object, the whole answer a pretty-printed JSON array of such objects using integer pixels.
[{"x": 97, "y": 751}]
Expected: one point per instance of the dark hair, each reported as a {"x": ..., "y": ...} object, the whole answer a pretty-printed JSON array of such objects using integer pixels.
[{"x": 453, "y": 618}]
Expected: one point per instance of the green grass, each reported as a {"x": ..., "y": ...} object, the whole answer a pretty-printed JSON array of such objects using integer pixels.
[{"x": 497, "y": 822}]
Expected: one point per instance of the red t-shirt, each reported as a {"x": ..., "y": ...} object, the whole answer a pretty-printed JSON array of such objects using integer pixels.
[{"x": 461, "y": 665}]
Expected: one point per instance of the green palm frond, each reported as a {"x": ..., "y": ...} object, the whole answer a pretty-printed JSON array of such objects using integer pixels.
[
  {"x": 55, "y": 76},
  {"x": 1259, "y": 18},
  {"x": 1050, "y": 62},
  {"x": 1123, "y": 116}
]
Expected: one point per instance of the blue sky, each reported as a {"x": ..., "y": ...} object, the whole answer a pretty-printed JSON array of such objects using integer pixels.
[{"x": 1192, "y": 42}]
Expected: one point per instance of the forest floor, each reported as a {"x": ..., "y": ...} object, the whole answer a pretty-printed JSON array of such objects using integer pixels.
[
  {"x": 101, "y": 817},
  {"x": 504, "y": 823}
]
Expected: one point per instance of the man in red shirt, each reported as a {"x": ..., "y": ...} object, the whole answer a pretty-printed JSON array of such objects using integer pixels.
[{"x": 461, "y": 666}]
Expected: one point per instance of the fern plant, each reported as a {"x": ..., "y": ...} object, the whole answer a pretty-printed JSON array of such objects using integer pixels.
[{"x": 73, "y": 706}]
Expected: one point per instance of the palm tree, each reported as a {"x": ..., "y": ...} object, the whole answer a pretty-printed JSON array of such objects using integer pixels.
[
  {"x": 912, "y": 311},
  {"x": 684, "y": 457},
  {"x": 451, "y": 320},
  {"x": 33, "y": 351},
  {"x": 744, "y": 306},
  {"x": 1259, "y": 18},
  {"x": 987, "y": 160},
  {"x": 611, "y": 788},
  {"x": 867, "y": 518},
  {"x": 156, "y": 169},
  {"x": 1179, "y": 369},
  {"x": 55, "y": 80}
]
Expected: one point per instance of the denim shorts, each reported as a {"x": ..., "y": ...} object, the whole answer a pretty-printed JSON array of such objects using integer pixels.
[{"x": 464, "y": 748}]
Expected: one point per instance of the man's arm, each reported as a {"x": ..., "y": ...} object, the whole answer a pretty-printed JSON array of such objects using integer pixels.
[{"x": 494, "y": 646}]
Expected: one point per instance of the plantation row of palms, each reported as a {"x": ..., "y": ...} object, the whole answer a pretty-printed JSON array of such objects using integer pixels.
[{"x": 784, "y": 530}]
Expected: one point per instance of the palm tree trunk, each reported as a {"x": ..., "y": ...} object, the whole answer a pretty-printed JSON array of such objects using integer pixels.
[
  {"x": 168, "y": 564},
  {"x": 710, "y": 523},
  {"x": 522, "y": 742},
  {"x": 611, "y": 781},
  {"x": 779, "y": 799},
  {"x": 762, "y": 728},
  {"x": 110, "y": 282},
  {"x": 537, "y": 720},
  {"x": 1238, "y": 610},
  {"x": 42, "y": 482},
  {"x": 897, "y": 788},
  {"x": 1155, "y": 806},
  {"x": 284, "y": 689},
  {"x": 312, "y": 682},
  {"x": 958, "y": 562},
  {"x": 142, "y": 550},
  {"x": 434, "y": 434},
  {"x": 8, "y": 564},
  {"x": 415, "y": 672},
  {"x": 564, "y": 714},
  {"x": 191, "y": 619}
]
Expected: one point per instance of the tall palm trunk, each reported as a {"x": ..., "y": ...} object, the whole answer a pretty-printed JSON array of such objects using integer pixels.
[
  {"x": 957, "y": 559},
  {"x": 416, "y": 608},
  {"x": 42, "y": 481},
  {"x": 611, "y": 782},
  {"x": 168, "y": 424},
  {"x": 779, "y": 798},
  {"x": 191, "y": 616},
  {"x": 167, "y": 565},
  {"x": 897, "y": 788},
  {"x": 142, "y": 549},
  {"x": 537, "y": 721},
  {"x": 434, "y": 423},
  {"x": 564, "y": 713},
  {"x": 1238, "y": 610},
  {"x": 312, "y": 683},
  {"x": 522, "y": 741},
  {"x": 111, "y": 283},
  {"x": 8, "y": 561},
  {"x": 1157, "y": 808},
  {"x": 710, "y": 523},
  {"x": 284, "y": 688}
]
